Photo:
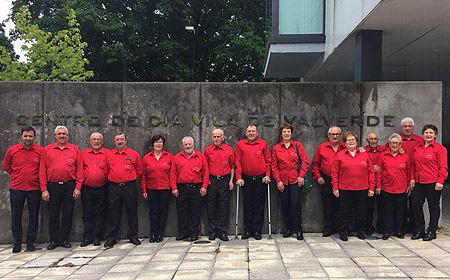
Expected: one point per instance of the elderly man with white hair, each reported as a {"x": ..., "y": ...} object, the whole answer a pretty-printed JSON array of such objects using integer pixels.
[{"x": 189, "y": 178}]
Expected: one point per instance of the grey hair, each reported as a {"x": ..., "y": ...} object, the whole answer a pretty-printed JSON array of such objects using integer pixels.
[
  {"x": 120, "y": 133},
  {"x": 220, "y": 130},
  {"x": 329, "y": 130},
  {"x": 407, "y": 119},
  {"x": 187, "y": 137},
  {"x": 90, "y": 137},
  {"x": 62, "y": 127},
  {"x": 395, "y": 135}
]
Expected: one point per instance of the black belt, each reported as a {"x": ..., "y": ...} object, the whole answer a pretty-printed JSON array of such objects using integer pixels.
[
  {"x": 124, "y": 183},
  {"x": 219, "y": 177},
  {"x": 62, "y": 183},
  {"x": 254, "y": 178},
  {"x": 190, "y": 185}
]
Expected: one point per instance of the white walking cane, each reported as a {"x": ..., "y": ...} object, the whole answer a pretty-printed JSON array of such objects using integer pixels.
[
  {"x": 237, "y": 209},
  {"x": 268, "y": 209}
]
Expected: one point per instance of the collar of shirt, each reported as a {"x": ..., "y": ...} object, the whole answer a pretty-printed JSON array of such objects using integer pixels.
[
  {"x": 22, "y": 147},
  {"x": 399, "y": 153},
  {"x": 193, "y": 155},
  {"x": 432, "y": 144},
  {"x": 116, "y": 151},
  {"x": 218, "y": 147},
  {"x": 414, "y": 137},
  {"x": 340, "y": 146},
  {"x": 257, "y": 141},
  {"x": 151, "y": 153},
  {"x": 367, "y": 148},
  {"x": 98, "y": 152},
  {"x": 56, "y": 146},
  {"x": 356, "y": 151},
  {"x": 291, "y": 145}
]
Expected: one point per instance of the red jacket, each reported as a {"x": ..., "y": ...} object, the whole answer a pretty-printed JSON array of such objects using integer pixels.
[
  {"x": 352, "y": 173},
  {"x": 156, "y": 175},
  {"x": 220, "y": 159},
  {"x": 192, "y": 170},
  {"x": 94, "y": 165},
  {"x": 123, "y": 166},
  {"x": 252, "y": 159},
  {"x": 430, "y": 163},
  {"x": 395, "y": 173},
  {"x": 284, "y": 162},
  {"x": 324, "y": 158}
]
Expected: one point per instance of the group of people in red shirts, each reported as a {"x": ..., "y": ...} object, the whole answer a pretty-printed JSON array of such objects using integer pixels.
[{"x": 60, "y": 173}]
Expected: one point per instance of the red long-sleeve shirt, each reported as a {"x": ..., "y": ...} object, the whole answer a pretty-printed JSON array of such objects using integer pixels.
[
  {"x": 123, "y": 166},
  {"x": 61, "y": 165},
  {"x": 395, "y": 172},
  {"x": 192, "y": 170},
  {"x": 284, "y": 162},
  {"x": 252, "y": 159},
  {"x": 408, "y": 145},
  {"x": 156, "y": 175},
  {"x": 324, "y": 158},
  {"x": 374, "y": 155},
  {"x": 23, "y": 166},
  {"x": 220, "y": 159},
  {"x": 352, "y": 173},
  {"x": 430, "y": 163},
  {"x": 94, "y": 164}
]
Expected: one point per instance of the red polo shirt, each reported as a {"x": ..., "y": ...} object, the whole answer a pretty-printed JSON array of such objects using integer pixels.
[
  {"x": 252, "y": 159},
  {"x": 395, "y": 172},
  {"x": 323, "y": 159},
  {"x": 220, "y": 159},
  {"x": 94, "y": 167},
  {"x": 23, "y": 166},
  {"x": 156, "y": 175},
  {"x": 61, "y": 165},
  {"x": 192, "y": 170},
  {"x": 284, "y": 162},
  {"x": 374, "y": 155},
  {"x": 352, "y": 173},
  {"x": 408, "y": 145},
  {"x": 123, "y": 166},
  {"x": 430, "y": 163}
]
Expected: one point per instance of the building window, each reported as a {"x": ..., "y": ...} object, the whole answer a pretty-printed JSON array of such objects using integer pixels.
[{"x": 301, "y": 17}]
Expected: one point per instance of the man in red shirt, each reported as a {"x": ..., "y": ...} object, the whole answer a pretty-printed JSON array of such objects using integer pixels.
[
  {"x": 189, "y": 178},
  {"x": 220, "y": 158},
  {"x": 123, "y": 168},
  {"x": 94, "y": 194},
  {"x": 253, "y": 173},
  {"x": 61, "y": 176},
  {"x": 22, "y": 163},
  {"x": 374, "y": 151},
  {"x": 321, "y": 169}
]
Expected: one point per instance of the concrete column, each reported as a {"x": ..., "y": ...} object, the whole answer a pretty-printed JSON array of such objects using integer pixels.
[{"x": 368, "y": 49}]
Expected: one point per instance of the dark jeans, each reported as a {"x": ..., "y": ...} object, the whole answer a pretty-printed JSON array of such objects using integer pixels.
[
  {"x": 118, "y": 196},
  {"x": 393, "y": 207},
  {"x": 17, "y": 199},
  {"x": 189, "y": 209},
  {"x": 158, "y": 207},
  {"x": 218, "y": 199},
  {"x": 61, "y": 203},
  {"x": 291, "y": 207},
  {"x": 255, "y": 193},
  {"x": 418, "y": 195},
  {"x": 352, "y": 202},
  {"x": 370, "y": 209},
  {"x": 330, "y": 206},
  {"x": 95, "y": 205}
]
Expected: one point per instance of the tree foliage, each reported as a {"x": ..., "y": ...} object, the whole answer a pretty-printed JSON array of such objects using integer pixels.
[
  {"x": 146, "y": 40},
  {"x": 50, "y": 56}
]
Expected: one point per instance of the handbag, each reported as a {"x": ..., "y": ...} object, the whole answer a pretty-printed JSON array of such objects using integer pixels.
[{"x": 308, "y": 185}]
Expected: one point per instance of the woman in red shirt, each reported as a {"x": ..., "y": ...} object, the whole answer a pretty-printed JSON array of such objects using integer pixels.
[
  {"x": 352, "y": 177},
  {"x": 392, "y": 184},
  {"x": 156, "y": 186},
  {"x": 430, "y": 170},
  {"x": 289, "y": 179}
]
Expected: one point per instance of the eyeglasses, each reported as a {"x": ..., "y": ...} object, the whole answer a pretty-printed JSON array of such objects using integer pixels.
[
  {"x": 394, "y": 143},
  {"x": 350, "y": 140},
  {"x": 408, "y": 126},
  {"x": 334, "y": 134}
]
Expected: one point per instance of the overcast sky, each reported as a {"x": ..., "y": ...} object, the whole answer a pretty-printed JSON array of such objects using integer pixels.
[{"x": 5, "y": 9}]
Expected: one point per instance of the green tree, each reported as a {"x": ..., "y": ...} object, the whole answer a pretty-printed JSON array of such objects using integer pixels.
[{"x": 50, "y": 56}]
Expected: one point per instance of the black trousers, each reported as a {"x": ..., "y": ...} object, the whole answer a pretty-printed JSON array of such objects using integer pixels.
[
  {"x": 409, "y": 224},
  {"x": 393, "y": 207},
  {"x": 95, "y": 205},
  {"x": 291, "y": 207},
  {"x": 352, "y": 202},
  {"x": 17, "y": 200},
  {"x": 330, "y": 206},
  {"x": 218, "y": 200},
  {"x": 418, "y": 195},
  {"x": 158, "y": 207},
  {"x": 60, "y": 204},
  {"x": 255, "y": 193},
  {"x": 370, "y": 209},
  {"x": 189, "y": 209},
  {"x": 117, "y": 197}
]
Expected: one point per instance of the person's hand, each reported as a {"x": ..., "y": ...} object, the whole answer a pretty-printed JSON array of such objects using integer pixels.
[
  {"x": 175, "y": 193},
  {"x": 76, "y": 194},
  {"x": 361, "y": 149},
  {"x": 378, "y": 191},
  {"x": 230, "y": 185},
  {"x": 376, "y": 168},
  {"x": 203, "y": 192},
  {"x": 336, "y": 193},
  {"x": 438, "y": 187},
  {"x": 300, "y": 181},
  {"x": 408, "y": 191},
  {"x": 280, "y": 186},
  {"x": 45, "y": 196},
  {"x": 144, "y": 195},
  {"x": 267, "y": 180},
  {"x": 412, "y": 183},
  {"x": 370, "y": 194},
  {"x": 401, "y": 150},
  {"x": 240, "y": 182},
  {"x": 320, "y": 181}
]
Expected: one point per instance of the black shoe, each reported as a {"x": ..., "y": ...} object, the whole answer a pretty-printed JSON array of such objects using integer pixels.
[
  {"x": 223, "y": 236},
  {"x": 152, "y": 239},
  {"x": 287, "y": 233},
  {"x": 343, "y": 236},
  {"x": 369, "y": 232},
  {"x": 361, "y": 235},
  {"x": 17, "y": 247},
  {"x": 299, "y": 235},
  {"x": 160, "y": 238},
  {"x": 350, "y": 233},
  {"x": 135, "y": 241},
  {"x": 96, "y": 242},
  {"x": 212, "y": 236},
  {"x": 85, "y": 243},
  {"x": 430, "y": 235},
  {"x": 327, "y": 233},
  {"x": 181, "y": 237},
  {"x": 52, "y": 245},
  {"x": 257, "y": 235},
  {"x": 65, "y": 244},
  {"x": 194, "y": 238},
  {"x": 109, "y": 244},
  {"x": 246, "y": 235},
  {"x": 30, "y": 247},
  {"x": 417, "y": 235},
  {"x": 399, "y": 235},
  {"x": 385, "y": 236}
]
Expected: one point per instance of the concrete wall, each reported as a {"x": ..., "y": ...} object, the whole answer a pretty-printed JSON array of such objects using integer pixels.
[{"x": 179, "y": 109}]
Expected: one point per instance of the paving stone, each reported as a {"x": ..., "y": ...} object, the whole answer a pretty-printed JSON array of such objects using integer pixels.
[
  {"x": 26, "y": 272},
  {"x": 444, "y": 269},
  {"x": 324, "y": 246},
  {"x": 167, "y": 257},
  {"x": 92, "y": 276},
  {"x": 4, "y": 271},
  {"x": 344, "y": 271},
  {"x": 232, "y": 256},
  {"x": 143, "y": 250},
  {"x": 196, "y": 265},
  {"x": 301, "y": 262},
  {"x": 263, "y": 264},
  {"x": 114, "y": 252},
  {"x": 200, "y": 256},
  {"x": 264, "y": 255},
  {"x": 323, "y": 253},
  {"x": 156, "y": 275},
  {"x": 369, "y": 252},
  {"x": 203, "y": 249},
  {"x": 99, "y": 268},
  {"x": 58, "y": 271},
  {"x": 39, "y": 263},
  {"x": 231, "y": 264},
  {"x": 306, "y": 273},
  {"x": 336, "y": 262},
  {"x": 296, "y": 254},
  {"x": 268, "y": 273},
  {"x": 383, "y": 271},
  {"x": 136, "y": 259},
  {"x": 122, "y": 268},
  {"x": 73, "y": 261},
  {"x": 401, "y": 252},
  {"x": 232, "y": 274},
  {"x": 105, "y": 260},
  {"x": 119, "y": 276},
  {"x": 372, "y": 261},
  {"x": 409, "y": 261},
  {"x": 191, "y": 274},
  {"x": 86, "y": 254},
  {"x": 424, "y": 272},
  {"x": 162, "y": 265}
]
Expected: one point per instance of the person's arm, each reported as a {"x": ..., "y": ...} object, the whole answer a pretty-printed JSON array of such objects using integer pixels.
[
  {"x": 238, "y": 170},
  {"x": 138, "y": 165},
  {"x": 6, "y": 165},
  {"x": 315, "y": 167},
  {"x": 335, "y": 169},
  {"x": 442, "y": 167},
  {"x": 232, "y": 169},
  {"x": 268, "y": 161},
  {"x": 173, "y": 177},
  {"x": 304, "y": 164},
  {"x": 43, "y": 176},
  {"x": 144, "y": 177}
]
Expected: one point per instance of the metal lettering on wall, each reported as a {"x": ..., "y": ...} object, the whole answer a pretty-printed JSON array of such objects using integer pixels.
[{"x": 161, "y": 120}]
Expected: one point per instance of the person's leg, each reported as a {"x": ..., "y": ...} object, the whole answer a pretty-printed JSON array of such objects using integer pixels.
[
  {"x": 388, "y": 212},
  {"x": 67, "y": 203},
  {"x": 88, "y": 203},
  {"x": 417, "y": 200},
  {"x": 101, "y": 208},
  {"x": 130, "y": 201},
  {"x": 17, "y": 200},
  {"x": 34, "y": 205},
  {"x": 212, "y": 205},
  {"x": 115, "y": 202},
  {"x": 224, "y": 194},
  {"x": 54, "y": 210},
  {"x": 296, "y": 207}
]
